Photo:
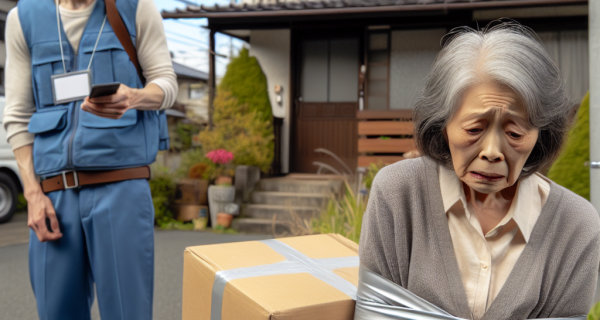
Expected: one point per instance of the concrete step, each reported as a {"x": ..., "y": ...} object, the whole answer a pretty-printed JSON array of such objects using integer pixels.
[
  {"x": 280, "y": 212},
  {"x": 261, "y": 226},
  {"x": 300, "y": 185},
  {"x": 290, "y": 198}
]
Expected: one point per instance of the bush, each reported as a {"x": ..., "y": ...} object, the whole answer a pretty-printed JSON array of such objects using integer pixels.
[
  {"x": 240, "y": 130},
  {"x": 569, "y": 170},
  {"x": 162, "y": 187},
  {"x": 343, "y": 216},
  {"x": 594, "y": 313},
  {"x": 182, "y": 138},
  {"x": 372, "y": 171},
  {"x": 245, "y": 81}
]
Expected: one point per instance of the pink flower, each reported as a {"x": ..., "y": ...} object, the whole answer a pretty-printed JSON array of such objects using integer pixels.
[{"x": 220, "y": 156}]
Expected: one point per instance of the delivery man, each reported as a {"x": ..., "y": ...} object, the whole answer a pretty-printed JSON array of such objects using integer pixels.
[{"x": 91, "y": 217}]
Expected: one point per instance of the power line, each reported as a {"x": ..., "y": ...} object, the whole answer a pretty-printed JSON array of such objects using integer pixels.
[
  {"x": 185, "y": 37},
  {"x": 186, "y": 43},
  {"x": 189, "y": 2}
]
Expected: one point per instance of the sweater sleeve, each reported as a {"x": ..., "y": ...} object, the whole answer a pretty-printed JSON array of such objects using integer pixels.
[
  {"x": 19, "y": 105},
  {"x": 377, "y": 249},
  {"x": 153, "y": 52}
]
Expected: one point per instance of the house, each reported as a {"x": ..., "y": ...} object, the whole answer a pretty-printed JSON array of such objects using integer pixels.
[
  {"x": 342, "y": 74},
  {"x": 5, "y": 6},
  {"x": 192, "y": 94},
  {"x": 191, "y": 107}
]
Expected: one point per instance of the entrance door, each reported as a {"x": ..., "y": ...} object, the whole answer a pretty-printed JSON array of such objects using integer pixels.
[{"x": 325, "y": 110}]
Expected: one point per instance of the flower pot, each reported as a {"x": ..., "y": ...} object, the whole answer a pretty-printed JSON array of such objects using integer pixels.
[
  {"x": 224, "y": 180},
  {"x": 188, "y": 212},
  {"x": 218, "y": 199},
  {"x": 224, "y": 219}
]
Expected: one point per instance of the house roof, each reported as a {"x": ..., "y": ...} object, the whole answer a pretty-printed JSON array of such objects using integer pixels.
[
  {"x": 185, "y": 72},
  {"x": 334, "y": 7}
]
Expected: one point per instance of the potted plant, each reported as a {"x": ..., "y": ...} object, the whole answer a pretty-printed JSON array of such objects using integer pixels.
[{"x": 222, "y": 194}]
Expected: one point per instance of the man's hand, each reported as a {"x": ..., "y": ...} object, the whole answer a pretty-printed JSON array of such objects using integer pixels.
[
  {"x": 39, "y": 207},
  {"x": 126, "y": 98},
  {"x": 113, "y": 106}
]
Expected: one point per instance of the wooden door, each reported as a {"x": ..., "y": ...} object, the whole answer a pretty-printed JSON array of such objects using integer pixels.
[{"x": 331, "y": 126}]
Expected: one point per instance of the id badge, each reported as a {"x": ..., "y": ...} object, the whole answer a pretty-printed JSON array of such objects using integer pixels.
[{"x": 72, "y": 86}]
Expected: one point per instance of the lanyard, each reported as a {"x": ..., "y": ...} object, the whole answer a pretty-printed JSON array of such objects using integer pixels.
[{"x": 61, "y": 44}]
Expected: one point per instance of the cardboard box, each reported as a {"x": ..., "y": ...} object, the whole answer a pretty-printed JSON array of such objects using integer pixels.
[{"x": 310, "y": 277}]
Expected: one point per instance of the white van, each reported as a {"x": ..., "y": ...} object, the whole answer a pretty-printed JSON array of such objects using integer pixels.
[{"x": 10, "y": 181}]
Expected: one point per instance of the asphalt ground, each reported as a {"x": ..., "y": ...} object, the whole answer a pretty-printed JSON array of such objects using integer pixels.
[
  {"x": 18, "y": 303},
  {"x": 16, "y": 298}
]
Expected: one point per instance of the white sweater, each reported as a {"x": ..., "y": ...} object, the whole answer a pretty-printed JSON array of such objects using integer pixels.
[{"x": 153, "y": 55}]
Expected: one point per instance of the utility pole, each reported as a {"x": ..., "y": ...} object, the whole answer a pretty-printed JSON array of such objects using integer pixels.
[{"x": 211, "y": 78}]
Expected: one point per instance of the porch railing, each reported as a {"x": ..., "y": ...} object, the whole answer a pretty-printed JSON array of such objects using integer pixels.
[{"x": 384, "y": 136}]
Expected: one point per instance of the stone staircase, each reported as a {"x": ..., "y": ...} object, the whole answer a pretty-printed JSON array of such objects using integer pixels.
[{"x": 277, "y": 205}]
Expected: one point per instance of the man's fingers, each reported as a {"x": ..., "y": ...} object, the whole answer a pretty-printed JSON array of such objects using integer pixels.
[
  {"x": 114, "y": 114},
  {"x": 53, "y": 220},
  {"x": 115, "y": 98},
  {"x": 40, "y": 227}
]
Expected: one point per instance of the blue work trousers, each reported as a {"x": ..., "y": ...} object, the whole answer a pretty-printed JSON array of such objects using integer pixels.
[{"x": 108, "y": 239}]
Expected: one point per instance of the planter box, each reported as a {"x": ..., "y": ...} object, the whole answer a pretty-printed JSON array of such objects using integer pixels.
[
  {"x": 310, "y": 277},
  {"x": 188, "y": 212},
  {"x": 192, "y": 191}
]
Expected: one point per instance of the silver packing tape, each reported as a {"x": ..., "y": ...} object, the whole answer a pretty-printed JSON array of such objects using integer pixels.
[
  {"x": 296, "y": 262},
  {"x": 382, "y": 299}
]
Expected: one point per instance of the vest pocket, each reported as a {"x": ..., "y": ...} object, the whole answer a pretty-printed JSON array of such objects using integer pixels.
[
  {"x": 46, "y": 61},
  {"x": 48, "y": 150},
  {"x": 91, "y": 120},
  {"x": 48, "y": 121}
]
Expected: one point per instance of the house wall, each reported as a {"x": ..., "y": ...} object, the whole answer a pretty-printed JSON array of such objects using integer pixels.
[
  {"x": 412, "y": 53},
  {"x": 570, "y": 51},
  {"x": 272, "y": 50},
  {"x": 199, "y": 107}
]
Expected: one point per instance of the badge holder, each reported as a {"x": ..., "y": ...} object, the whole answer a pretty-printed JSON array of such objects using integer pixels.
[{"x": 72, "y": 86}]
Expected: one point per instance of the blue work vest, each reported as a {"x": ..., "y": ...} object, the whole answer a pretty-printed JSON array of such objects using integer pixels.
[{"x": 66, "y": 137}]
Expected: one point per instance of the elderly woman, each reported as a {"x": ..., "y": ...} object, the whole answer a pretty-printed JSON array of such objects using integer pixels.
[{"x": 471, "y": 229}]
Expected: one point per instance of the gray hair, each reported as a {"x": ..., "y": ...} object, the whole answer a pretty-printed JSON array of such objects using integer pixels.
[{"x": 507, "y": 53}]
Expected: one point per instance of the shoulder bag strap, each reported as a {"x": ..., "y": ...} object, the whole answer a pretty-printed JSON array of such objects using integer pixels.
[{"x": 121, "y": 32}]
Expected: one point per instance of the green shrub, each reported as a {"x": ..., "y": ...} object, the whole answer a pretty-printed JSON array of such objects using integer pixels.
[
  {"x": 183, "y": 133},
  {"x": 569, "y": 170},
  {"x": 21, "y": 203},
  {"x": 343, "y": 216},
  {"x": 162, "y": 187},
  {"x": 192, "y": 157},
  {"x": 245, "y": 81},
  {"x": 240, "y": 130},
  {"x": 594, "y": 313},
  {"x": 372, "y": 171}
]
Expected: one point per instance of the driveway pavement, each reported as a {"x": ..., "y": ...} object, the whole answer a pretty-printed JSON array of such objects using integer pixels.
[{"x": 16, "y": 298}]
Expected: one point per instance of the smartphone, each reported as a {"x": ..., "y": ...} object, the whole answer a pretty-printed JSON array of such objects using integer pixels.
[{"x": 105, "y": 89}]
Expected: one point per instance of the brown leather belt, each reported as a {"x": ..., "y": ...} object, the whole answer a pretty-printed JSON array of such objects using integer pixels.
[{"x": 76, "y": 179}]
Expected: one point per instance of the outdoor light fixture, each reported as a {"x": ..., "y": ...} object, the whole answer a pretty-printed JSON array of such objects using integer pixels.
[{"x": 279, "y": 93}]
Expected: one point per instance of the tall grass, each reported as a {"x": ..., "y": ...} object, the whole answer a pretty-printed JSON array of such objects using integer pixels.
[{"x": 342, "y": 215}]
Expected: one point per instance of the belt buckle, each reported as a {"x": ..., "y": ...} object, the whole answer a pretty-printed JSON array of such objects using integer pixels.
[{"x": 64, "y": 176}]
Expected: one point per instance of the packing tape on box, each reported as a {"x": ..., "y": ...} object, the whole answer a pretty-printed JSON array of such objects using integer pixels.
[
  {"x": 382, "y": 299},
  {"x": 296, "y": 262}
]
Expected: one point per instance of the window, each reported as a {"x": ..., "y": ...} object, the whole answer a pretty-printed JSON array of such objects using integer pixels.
[
  {"x": 197, "y": 90},
  {"x": 330, "y": 70},
  {"x": 378, "y": 71}
]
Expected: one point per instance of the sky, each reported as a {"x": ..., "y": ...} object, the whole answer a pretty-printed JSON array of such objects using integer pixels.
[{"x": 188, "y": 40}]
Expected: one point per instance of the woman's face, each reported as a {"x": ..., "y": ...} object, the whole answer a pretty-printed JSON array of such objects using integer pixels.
[{"x": 490, "y": 138}]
